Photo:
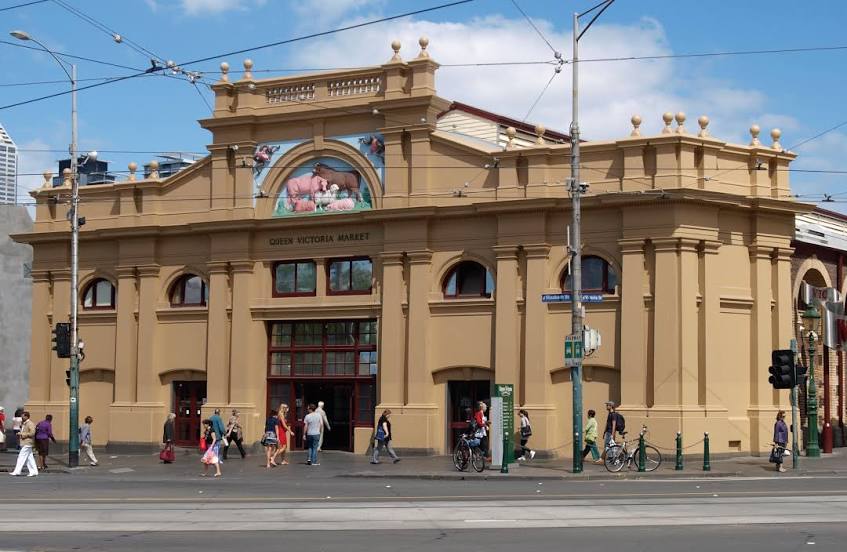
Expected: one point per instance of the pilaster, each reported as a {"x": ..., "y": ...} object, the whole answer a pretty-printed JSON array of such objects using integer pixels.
[
  {"x": 61, "y": 309},
  {"x": 666, "y": 321},
  {"x": 126, "y": 336},
  {"x": 418, "y": 379},
  {"x": 536, "y": 376},
  {"x": 217, "y": 373},
  {"x": 40, "y": 353},
  {"x": 392, "y": 336},
  {"x": 712, "y": 372},
  {"x": 633, "y": 365},
  {"x": 688, "y": 321},
  {"x": 762, "y": 395},
  {"x": 148, "y": 386},
  {"x": 507, "y": 334},
  {"x": 244, "y": 378}
]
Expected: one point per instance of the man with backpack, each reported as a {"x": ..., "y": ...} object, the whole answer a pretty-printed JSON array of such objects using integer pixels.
[{"x": 614, "y": 423}]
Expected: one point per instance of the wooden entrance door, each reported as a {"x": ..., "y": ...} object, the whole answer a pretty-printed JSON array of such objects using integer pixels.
[{"x": 189, "y": 397}]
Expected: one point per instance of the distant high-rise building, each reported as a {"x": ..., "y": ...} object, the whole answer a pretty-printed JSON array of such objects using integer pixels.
[{"x": 8, "y": 168}]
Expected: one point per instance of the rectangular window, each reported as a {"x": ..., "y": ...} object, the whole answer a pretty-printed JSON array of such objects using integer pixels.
[
  {"x": 340, "y": 363},
  {"x": 308, "y": 364},
  {"x": 340, "y": 333},
  {"x": 281, "y": 335},
  {"x": 350, "y": 276},
  {"x": 330, "y": 348},
  {"x": 280, "y": 364},
  {"x": 308, "y": 333},
  {"x": 294, "y": 278}
]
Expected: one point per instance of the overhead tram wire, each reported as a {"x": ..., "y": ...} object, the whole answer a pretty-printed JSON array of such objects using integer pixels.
[
  {"x": 7, "y": 8},
  {"x": 537, "y": 30},
  {"x": 263, "y": 46},
  {"x": 71, "y": 56}
]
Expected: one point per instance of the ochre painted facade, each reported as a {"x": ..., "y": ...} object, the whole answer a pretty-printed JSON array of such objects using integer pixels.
[{"x": 696, "y": 230}]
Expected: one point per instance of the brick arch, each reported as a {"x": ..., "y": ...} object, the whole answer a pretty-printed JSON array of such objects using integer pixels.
[
  {"x": 815, "y": 268},
  {"x": 450, "y": 264}
]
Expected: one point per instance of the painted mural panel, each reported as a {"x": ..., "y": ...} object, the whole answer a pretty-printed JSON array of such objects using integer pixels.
[{"x": 323, "y": 185}]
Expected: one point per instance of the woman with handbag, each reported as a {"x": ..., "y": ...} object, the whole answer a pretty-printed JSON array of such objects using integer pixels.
[
  {"x": 270, "y": 439},
  {"x": 283, "y": 433},
  {"x": 213, "y": 449},
  {"x": 526, "y": 433},
  {"x": 383, "y": 438},
  {"x": 167, "y": 454},
  {"x": 780, "y": 440},
  {"x": 234, "y": 433}
]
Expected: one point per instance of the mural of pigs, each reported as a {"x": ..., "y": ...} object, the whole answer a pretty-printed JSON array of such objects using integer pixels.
[
  {"x": 303, "y": 187},
  {"x": 346, "y": 204},
  {"x": 345, "y": 180}
]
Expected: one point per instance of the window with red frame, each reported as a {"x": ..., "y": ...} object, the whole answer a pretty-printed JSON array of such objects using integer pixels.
[
  {"x": 294, "y": 278},
  {"x": 349, "y": 276},
  {"x": 100, "y": 294},
  {"x": 468, "y": 279},
  {"x": 597, "y": 276},
  {"x": 189, "y": 291}
]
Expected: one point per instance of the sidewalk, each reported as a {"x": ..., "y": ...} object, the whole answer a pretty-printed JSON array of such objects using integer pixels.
[{"x": 342, "y": 464}]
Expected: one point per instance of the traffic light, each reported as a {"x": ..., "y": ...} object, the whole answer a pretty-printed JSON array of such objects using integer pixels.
[
  {"x": 62, "y": 340},
  {"x": 782, "y": 370},
  {"x": 800, "y": 378},
  {"x": 68, "y": 378}
]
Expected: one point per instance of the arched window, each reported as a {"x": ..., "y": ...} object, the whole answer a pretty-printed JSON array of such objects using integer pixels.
[
  {"x": 100, "y": 294},
  {"x": 597, "y": 276},
  {"x": 189, "y": 290},
  {"x": 468, "y": 279}
]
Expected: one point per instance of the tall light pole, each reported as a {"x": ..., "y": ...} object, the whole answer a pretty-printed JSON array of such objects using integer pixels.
[
  {"x": 576, "y": 189},
  {"x": 73, "y": 435}
]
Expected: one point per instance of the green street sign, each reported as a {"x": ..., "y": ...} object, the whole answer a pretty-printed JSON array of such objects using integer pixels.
[
  {"x": 507, "y": 393},
  {"x": 573, "y": 350}
]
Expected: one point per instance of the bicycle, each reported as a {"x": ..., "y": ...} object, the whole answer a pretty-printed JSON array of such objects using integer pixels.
[
  {"x": 467, "y": 451},
  {"x": 619, "y": 455}
]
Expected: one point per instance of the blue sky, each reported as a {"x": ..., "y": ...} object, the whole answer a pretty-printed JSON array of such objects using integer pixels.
[{"x": 802, "y": 93}]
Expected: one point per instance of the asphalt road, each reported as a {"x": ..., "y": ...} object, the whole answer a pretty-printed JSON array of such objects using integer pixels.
[{"x": 169, "y": 510}]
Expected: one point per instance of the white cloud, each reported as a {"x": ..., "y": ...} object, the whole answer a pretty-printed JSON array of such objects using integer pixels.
[
  {"x": 211, "y": 7},
  {"x": 610, "y": 92},
  {"x": 330, "y": 11}
]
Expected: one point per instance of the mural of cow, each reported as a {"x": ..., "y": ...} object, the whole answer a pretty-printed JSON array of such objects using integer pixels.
[
  {"x": 303, "y": 188},
  {"x": 345, "y": 180}
]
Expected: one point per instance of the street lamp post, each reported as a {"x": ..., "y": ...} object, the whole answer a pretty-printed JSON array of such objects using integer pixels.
[
  {"x": 73, "y": 414},
  {"x": 576, "y": 189},
  {"x": 810, "y": 318}
]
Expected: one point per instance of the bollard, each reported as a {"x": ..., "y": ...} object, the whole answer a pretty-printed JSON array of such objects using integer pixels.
[
  {"x": 678, "y": 466},
  {"x": 706, "y": 465},
  {"x": 642, "y": 454}
]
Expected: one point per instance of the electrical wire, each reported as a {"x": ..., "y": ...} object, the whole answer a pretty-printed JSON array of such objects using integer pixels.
[
  {"x": 540, "y": 95},
  {"x": 532, "y": 24},
  {"x": 205, "y": 101},
  {"x": 816, "y": 136},
  {"x": 22, "y": 5},
  {"x": 70, "y": 56},
  {"x": 713, "y": 54}
]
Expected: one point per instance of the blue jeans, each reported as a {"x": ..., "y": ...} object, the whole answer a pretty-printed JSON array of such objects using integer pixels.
[{"x": 312, "y": 442}]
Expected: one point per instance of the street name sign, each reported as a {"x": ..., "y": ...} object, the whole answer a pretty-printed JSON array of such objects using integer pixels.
[{"x": 567, "y": 298}]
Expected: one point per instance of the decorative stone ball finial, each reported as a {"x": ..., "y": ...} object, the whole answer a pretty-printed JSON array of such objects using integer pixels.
[
  {"x": 776, "y": 134},
  {"x": 224, "y": 71},
  {"x": 636, "y": 125},
  {"x": 48, "y": 179},
  {"x": 133, "y": 166},
  {"x": 667, "y": 117},
  {"x": 395, "y": 45},
  {"x": 154, "y": 169},
  {"x": 680, "y": 122},
  {"x": 540, "y": 130},
  {"x": 248, "y": 69},
  {"x": 66, "y": 177},
  {"x": 424, "y": 42},
  {"x": 703, "y": 121},
  {"x": 511, "y": 133},
  {"x": 754, "y": 133}
]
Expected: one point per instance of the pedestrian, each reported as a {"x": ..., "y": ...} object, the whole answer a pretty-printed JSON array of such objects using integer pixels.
[
  {"x": 234, "y": 433},
  {"x": 590, "y": 433},
  {"x": 612, "y": 426},
  {"x": 212, "y": 456},
  {"x": 2, "y": 428},
  {"x": 526, "y": 433},
  {"x": 324, "y": 423},
  {"x": 25, "y": 456},
  {"x": 85, "y": 440},
  {"x": 481, "y": 433},
  {"x": 43, "y": 436},
  {"x": 282, "y": 434},
  {"x": 780, "y": 440},
  {"x": 17, "y": 420},
  {"x": 270, "y": 439},
  {"x": 167, "y": 454},
  {"x": 218, "y": 426},
  {"x": 383, "y": 438},
  {"x": 312, "y": 425}
]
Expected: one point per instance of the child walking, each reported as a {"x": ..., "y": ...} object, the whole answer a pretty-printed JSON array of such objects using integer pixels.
[{"x": 590, "y": 432}]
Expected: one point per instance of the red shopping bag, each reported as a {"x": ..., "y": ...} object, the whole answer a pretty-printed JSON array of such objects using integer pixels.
[
  {"x": 167, "y": 455},
  {"x": 203, "y": 445}
]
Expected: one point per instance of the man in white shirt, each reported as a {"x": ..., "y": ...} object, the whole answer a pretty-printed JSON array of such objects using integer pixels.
[
  {"x": 312, "y": 426},
  {"x": 325, "y": 423}
]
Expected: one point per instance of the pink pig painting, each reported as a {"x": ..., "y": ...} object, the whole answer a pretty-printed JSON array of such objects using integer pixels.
[{"x": 303, "y": 188}]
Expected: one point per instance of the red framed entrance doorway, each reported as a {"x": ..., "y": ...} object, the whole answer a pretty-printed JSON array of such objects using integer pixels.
[
  {"x": 463, "y": 396},
  {"x": 189, "y": 398}
]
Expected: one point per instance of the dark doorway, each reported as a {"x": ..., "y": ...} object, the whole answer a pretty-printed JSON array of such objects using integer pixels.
[
  {"x": 338, "y": 397},
  {"x": 462, "y": 397},
  {"x": 189, "y": 397}
]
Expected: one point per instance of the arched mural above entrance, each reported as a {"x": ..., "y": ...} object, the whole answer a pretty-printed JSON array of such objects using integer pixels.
[{"x": 337, "y": 175}]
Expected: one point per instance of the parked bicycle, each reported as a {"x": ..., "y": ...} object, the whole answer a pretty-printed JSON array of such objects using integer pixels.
[
  {"x": 626, "y": 454},
  {"x": 467, "y": 451}
]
